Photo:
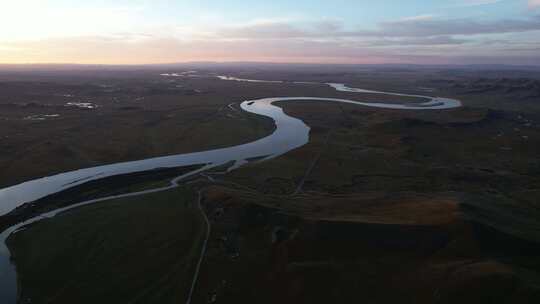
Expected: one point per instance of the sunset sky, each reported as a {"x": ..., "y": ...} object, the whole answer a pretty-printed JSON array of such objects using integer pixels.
[{"x": 338, "y": 31}]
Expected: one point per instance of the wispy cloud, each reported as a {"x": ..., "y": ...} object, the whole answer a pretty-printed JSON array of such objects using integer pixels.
[
  {"x": 419, "y": 17},
  {"x": 419, "y": 26},
  {"x": 443, "y": 49},
  {"x": 534, "y": 4},
  {"x": 476, "y": 2},
  {"x": 460, "y": 26},
  {"x": 115, "y": 35}
]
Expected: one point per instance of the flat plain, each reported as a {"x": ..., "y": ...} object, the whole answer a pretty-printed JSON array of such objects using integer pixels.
[{"x": 386, "y": 205}]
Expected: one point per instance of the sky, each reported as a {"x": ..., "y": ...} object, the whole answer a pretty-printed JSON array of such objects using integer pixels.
[{"x": 303, "y": 31}]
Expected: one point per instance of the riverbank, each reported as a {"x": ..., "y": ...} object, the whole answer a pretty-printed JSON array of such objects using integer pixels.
[
  {"x": 96, "y": 189},
  {"x": 140, "y": 250}
]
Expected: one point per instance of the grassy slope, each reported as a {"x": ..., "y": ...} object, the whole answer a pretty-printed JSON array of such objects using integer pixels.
[
  {"x": 468, "y": 153},
  {"x": 136, "y": 250}
]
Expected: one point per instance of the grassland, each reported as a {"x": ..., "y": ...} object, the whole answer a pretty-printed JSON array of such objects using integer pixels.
[
  {"x": 457, "y": 155},
  {"x": 134, "y": 250},
  {"x": 267, "y": 255},
  {"x": 380, "y": 206},
  {"x": 140, "y": 116},
  {"x": 416, "y": 207}
]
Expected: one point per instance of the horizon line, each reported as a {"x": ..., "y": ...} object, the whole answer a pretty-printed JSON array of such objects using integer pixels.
[{"x": 260, "y": 62}]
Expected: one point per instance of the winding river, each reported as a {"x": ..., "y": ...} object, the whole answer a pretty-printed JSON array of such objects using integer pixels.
[{"x": 290, "y": 133}]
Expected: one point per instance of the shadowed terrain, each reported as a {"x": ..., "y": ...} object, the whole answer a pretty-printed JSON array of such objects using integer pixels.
[
  {"x": 137, "y": 250},
  {"x": 437, "y": 206}
]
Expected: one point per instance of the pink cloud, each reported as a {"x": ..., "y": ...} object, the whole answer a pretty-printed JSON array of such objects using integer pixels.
[
  {"x": 419, "y": 39},
  {"x": 534, "y": 3},
  {"x": 97, "y": 50}
]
